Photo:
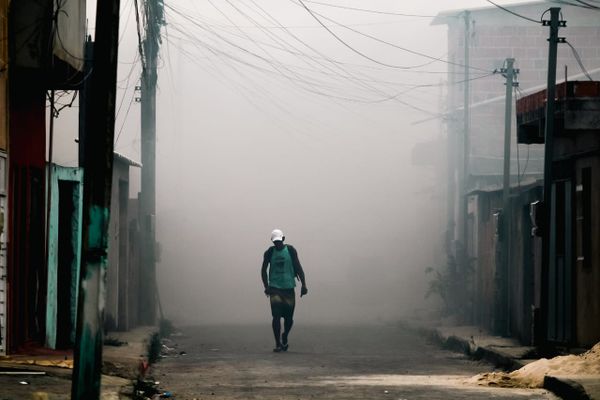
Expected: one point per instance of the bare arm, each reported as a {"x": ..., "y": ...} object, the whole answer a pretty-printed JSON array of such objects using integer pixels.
[
  {"x": 263, "y": 274},
  {"x": 299, "y": 271},
  {"x": 263, "y": 270}
]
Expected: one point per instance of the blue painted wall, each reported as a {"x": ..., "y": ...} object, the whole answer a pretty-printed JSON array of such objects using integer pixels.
[{"x": 75, "y": 175}]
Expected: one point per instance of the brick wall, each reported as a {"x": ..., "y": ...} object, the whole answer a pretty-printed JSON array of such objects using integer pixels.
[{"x": 495, "y": 36}]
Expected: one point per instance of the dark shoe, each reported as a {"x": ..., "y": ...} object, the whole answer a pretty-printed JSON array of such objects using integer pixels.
[
  {"x": 284, "y": 347},
  {"x": 278, "y": 349}
]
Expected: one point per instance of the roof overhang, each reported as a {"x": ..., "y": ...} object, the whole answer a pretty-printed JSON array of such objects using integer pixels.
[{"x": 121, "y": 158}]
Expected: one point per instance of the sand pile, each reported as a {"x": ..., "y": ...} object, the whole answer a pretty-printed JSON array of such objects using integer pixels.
[{"x": 532, "y": 375}]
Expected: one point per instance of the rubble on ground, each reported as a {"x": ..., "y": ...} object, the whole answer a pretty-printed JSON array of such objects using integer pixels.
[{"x": 532, "y": 375}]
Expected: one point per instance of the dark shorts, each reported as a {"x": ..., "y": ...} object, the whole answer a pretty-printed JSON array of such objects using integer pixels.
[{"x": 283, "y": 302}]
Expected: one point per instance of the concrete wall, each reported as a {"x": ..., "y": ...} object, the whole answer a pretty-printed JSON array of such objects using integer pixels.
[
  {"x": 117, "y": 272},
  {"x": 587, "y": 267},
  {"x": 501, "y": 307},
  {"x": 135, "y": 243},
  {"x": 521, "y": 272},
  {"x": 485, "y": 265}
]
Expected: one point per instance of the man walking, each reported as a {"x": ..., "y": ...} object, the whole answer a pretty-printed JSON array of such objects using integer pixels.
[{"x": 283, "y": 266}]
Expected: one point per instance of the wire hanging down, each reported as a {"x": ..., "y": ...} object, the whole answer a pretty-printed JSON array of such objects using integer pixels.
[{"x": 579, "y": 61}]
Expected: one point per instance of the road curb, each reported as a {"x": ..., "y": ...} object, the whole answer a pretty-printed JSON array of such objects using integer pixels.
[
  {"x": 565, "y": 388},
  {"x": 497, "y": 358}
]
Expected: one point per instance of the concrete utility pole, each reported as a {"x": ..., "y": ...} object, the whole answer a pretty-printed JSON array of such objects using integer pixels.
[
  {"x": 464, "y": 168},
  {"x": 510, "y": 74},
  {"x": 553, "y": 41},
  {"x": 97, "y": 163},
  {"x": 151, "y": 44}
]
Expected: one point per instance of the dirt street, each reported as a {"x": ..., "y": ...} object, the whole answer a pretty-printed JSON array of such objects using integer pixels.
[{"x": 351, "y": 362}]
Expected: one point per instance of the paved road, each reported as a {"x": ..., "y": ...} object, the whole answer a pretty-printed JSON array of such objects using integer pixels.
[{"x": 353, "y": 362}]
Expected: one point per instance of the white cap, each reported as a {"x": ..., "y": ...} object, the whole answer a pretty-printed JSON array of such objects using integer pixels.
[{"x": 277, "y": 234}]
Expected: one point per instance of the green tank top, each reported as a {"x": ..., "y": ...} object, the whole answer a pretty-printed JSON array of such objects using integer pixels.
[{"x": 281, "y": 270}]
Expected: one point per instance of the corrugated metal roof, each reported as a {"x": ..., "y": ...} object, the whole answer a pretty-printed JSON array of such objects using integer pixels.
[
  {"x": 126, "y": 160},
  {"x": 570, "y": 89},
  {"x": 524, "y": 183}
]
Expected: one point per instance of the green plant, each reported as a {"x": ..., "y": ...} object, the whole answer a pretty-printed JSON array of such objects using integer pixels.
[
  {"x": 154, "y": 348},
  {"x": 165, "y": 328},
  {"x": 452, "y": 284}
]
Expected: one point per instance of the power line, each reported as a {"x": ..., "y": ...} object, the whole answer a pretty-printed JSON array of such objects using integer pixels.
[
  {"x": 579, "y": 61},
  {"x": 514, "y": 13},
  {"x": 581, "y": 4},
  {"x": 289, "y": 72},
  {"x": 346, "y": 44},
  {"x": 126, "y": 22},
  {"x": 323, "y": 57},
  {"x": 125, "y": 118},
  {"x": 314, "y": 13},
  {"x": 139, "y": 34},
  {"x": 312, "y": 88},
  {"x": 246, "y": 51},
  {"x": 295, "y": 74},
  {"x": 369, "y": 10},
  {"x": 347, "y": 75},
  {"x": 587, "y": 4}
]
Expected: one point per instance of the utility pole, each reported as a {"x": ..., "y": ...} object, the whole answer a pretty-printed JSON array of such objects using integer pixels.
[
  {"x": 83, "y": 96},
  {"x": 151, "y": 44},
  {"x": 510, "y": 74},
  {"x": 464, "y": 168},
  {"x": 467, "y": 123},
  {"x": 97, "y": 163},
  {"x": 461, "y": 253},
  {"x": 553, "y": 41}
]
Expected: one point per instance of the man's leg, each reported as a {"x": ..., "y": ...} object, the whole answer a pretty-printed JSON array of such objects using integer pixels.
[
  {"x": 276, "y": 323},
  {"x": 277, "y": 313},
  {"x": 288, "y": 321}
]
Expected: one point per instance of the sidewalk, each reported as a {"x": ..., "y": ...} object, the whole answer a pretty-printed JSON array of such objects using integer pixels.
[
  {"x": 48, "y": 376},
  {"x": 508, "y": 354}
]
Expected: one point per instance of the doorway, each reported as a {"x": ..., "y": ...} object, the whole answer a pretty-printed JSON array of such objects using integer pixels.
[{"x": 64, "y": 248}]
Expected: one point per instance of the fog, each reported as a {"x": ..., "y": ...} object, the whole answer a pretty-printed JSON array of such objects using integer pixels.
[
  {"x": 241, "y": 153},
  {"x": 246, "y": 145}
]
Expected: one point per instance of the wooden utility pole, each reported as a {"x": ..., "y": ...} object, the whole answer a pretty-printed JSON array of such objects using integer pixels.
[
  {"x": 83, "y": 96},
  {"x": 553, "y": 41},
  {"x": 151, "y": 44},
  {"x": 97, "y": 163}
]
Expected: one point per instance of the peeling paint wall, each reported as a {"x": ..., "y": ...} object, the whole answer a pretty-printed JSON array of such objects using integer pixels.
[{"x": 72, "y": 239}]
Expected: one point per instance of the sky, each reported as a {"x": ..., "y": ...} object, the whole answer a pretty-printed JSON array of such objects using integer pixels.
[{"x": 266, "y": 119}]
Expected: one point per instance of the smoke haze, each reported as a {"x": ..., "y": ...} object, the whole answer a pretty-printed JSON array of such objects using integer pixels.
[{"x": 320, "y": 151}]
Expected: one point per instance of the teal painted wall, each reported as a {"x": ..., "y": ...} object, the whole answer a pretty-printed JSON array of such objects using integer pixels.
[{"x": 75, "y": 175}]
